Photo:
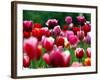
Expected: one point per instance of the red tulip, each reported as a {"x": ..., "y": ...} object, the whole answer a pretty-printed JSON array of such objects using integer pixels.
[
  {"x": 60, "y": 41},
  {"x": 27, "y": 25},
  {"x": 80, "y": 35},
  {"x": 87, "y": 62},
  {"x": 30, "y": 47},
  {"x": 39, "y": 52},
  {"x": 88, "y": 52},
  {"x": 26, "y": 34},
  {"x": 26, "y": 61},
  {"x": 65, "y": 27},
  {"x": 44, "y": 30},
  {"x": 76, "y": 29},
  {"x": 37, "y": 33},
  {"x": 86, "y": 28},
  {"x": 46, "y": 58},
  {"x": 79, "y": 52},
  {"x": 37, "y": 25},
  {"x": 48, "y": 43},
  {"x": 48, "y": 33}
]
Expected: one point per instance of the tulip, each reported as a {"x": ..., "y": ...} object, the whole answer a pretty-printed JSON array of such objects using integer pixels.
[
  {"x": 48, "y": 43},
  {"x": 87, "y": 39},
  {"x": 44, "y": 30},
  {"x": 46, "y": 58},
  {"x": 56, "y": 30},
  {"x": 59, "y": 59},
  {"x": 76, "y": 64},
  {"x": 80, "y": 35},
  {"x": 75, "y": 30},
  {"x": 87, "y": 62},
  {"x": 70, "y": 27},
  {"x": 26, "y": 34},
  {"x": 68, "y": 34},
  {"x": 73, "y": 40},
  {"x": 51, "y": 23},
  {"x": 27, "y": 25},
  {"x": 86, "y": 28},
  {"x": 60, "y": 41},
  {"x": 88, "y": 52},
  {"x": 30, "y": 47},
  {"x": 79, "y": 53},
  {"x": 81, "y": 19},
  {"x": 68, "y": 19},
  {"x": 65, "y": 27},
  {"x": 26, "y": 60},
  {"x": 48, "y": 33},
  {"x": 37, "y": 25},
  {"x": 37, "y": 33}
]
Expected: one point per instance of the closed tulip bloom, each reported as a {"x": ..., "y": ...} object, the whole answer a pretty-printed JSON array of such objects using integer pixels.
[
  {"x": 56, "y": 30},
  {"x": 30, "y": 47},
  {"x": 80, "y": 35},
  {"x": 75, "y": 30},
  {"x": 26, "y": 60},
  {"x": 37, "y": 25},
  {"x": 88, "y": 52},
  {"x": 48, "y": 43},
  {"x": 60, "y": 41},
  {"x": 26, "y": 34},
  {"x": 79, "y": 53},
  {"x": 51, "y": 23},
  {"x": 81, "y": 19},
  {"x": 68, "y": 19},
  {"x": 73, "y": 40},
  {"x": 76, "y": 64},
  {"x": 46, "y": 58},
  {"x": 27, "y": 25},
  {"x": 68, "y": 34}
]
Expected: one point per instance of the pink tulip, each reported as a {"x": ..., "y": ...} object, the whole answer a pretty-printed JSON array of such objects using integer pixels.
[
  {"x": 27, "y": 25},
  {"x": 68, "y": 19},
  {"x": 30, "y": 47},
  {"x": 88, "y": 52},
  {"x": 46, "y": 58},
  {"x": 87, "y": 39},
  {"x": 81, "y": 19},
  {"x": 59, "y": 58},
  {"x": 79, "y": 52},
  {"x": 76, "y": 64},
  {"x": 80, "y": 35},
  {"x": 51, "y": 23},
  {"x": 73, "y": 40},
  {"x": 48, "y": 43},
  {"x": 68, "y": 34},
  {"x": 56, "y": 30}
]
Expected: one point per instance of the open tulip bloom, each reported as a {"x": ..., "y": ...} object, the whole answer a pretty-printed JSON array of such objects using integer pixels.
[{"x": 55, "y": 45}]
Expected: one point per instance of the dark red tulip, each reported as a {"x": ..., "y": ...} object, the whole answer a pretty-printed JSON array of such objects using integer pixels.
[
  {"x": 27, "y": 25},
  {"x": 79, "y": 52},
  {"x": 26, "y": 34},
  {"x": 60, "y": 41},
  {"x": 75, "y": 29}
]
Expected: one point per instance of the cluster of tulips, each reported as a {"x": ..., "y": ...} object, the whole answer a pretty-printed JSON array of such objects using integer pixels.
[{"x": 52, "y": 44}]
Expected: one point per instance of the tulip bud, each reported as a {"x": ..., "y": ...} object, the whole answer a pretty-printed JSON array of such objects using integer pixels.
[
  {"x": 60, "y": 41},
  {"x": 27, "y": 25},
  {"x": 37, "y": 25},
  {"x": 46, "y": 58},
  {"x": 68, "y": 19},
  {"x": 80, "y": 35},
  {"x": 56, "y": 30},
  {"x": 81, "y": 19},
  {"x": 79, "y": 52}
]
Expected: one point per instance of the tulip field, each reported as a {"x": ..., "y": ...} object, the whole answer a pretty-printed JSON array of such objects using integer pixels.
[{"x": 56, "y": 39}]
